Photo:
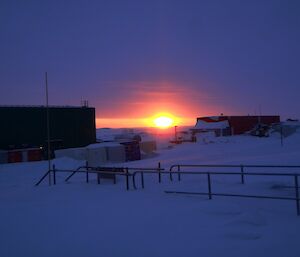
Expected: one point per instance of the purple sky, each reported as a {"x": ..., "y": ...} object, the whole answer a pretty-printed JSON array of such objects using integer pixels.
[{"x": 134, "y": 58}]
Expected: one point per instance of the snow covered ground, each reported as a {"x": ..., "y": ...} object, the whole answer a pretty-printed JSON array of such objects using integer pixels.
[{"x": 79, "y": 219}]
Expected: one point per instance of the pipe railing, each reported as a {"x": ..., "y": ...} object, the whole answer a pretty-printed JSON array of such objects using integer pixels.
[
  {"x": 241, "y": 167},
  {"x": 54, "y": 171},
  {"x": 111, "y": 172},
  {"x": 132, "y": 172},
  {"x": 209, "y": 192}
]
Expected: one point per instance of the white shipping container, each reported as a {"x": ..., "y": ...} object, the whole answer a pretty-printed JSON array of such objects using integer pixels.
[
  {"x": 96, "y": 155},
  {"x": 116, "y": 153}
]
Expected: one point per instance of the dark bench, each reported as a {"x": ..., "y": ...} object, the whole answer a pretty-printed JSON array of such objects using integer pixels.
[{"x": 108, "y": 173}]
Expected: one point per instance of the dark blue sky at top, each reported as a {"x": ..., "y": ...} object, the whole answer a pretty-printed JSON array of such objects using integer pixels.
[{"x": 191, "y": 57}]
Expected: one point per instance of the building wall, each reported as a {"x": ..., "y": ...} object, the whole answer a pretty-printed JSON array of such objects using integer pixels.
[
  {"x": 27, "y": 126},
  {"x": 239, "y": 124},
  {"x": 242, "y": 124}
]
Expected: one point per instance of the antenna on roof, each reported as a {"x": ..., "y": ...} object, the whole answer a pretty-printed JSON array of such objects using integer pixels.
[
  {"x": 48, "y": 128},
  {"x": 259, "y": 117},
  {"x": 84, "y": 103}
]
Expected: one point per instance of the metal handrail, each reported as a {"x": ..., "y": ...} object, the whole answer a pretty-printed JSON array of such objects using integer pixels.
[
  {"x": 160, "y": 171},
  {"x": 209, "y": 184},
  {"x": 87, "y": 171},
  {"x": 233, "y": 166},
  {"x": 98, "y": 170},
  {"x": 75, "y": 171},
  {"x": 240, "y": 166},
  {"x": 43, "y": 177}
]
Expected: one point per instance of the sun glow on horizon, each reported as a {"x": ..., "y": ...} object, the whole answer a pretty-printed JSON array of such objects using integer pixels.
[
  {"x": 144, "y": 122},
  {"x": 163, "y": 122}
]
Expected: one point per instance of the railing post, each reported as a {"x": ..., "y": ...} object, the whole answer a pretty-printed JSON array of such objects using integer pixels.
[
  {"x": 179, "y": 174},
  {"x": 159, "y": 174},
  {"x": 142, "y": 179},
  {"x": 87, "y": 175},
  {"x": 209, "y": 185},
  {"x": 49, "y": 175},
  {"x": 133, "y": 180},
  {"x": 297, "y": 194},
  {"x": 127, "y": 180},
  {"x": 54, "y": 174},
  {"x": 242, "y": 175},
  {"x": 171, "y": 176},
  {"x": 98, "y": 178}
]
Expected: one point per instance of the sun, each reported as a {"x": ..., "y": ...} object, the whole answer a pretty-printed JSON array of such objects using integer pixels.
[{"x": 163, "y": 122}]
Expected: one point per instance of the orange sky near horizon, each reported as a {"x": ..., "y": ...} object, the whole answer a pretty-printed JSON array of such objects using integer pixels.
[
  {"x": 138, "y": 122},
  {"x": 145, "y": 100}
]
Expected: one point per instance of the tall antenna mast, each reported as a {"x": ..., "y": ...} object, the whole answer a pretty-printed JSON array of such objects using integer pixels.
[{"x": 48, "y": 128}]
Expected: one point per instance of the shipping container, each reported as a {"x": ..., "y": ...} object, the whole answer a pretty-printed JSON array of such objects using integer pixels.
[
  {"x": 148, "y": 147},
  {"x": 96, "y": 155},
  {"x": 15, "y": 156},
  {"x": 115, "y": 153},
  {"x": 34, "y": 154},
  {"x": 132, "y": 150},
  {"x": 3, "y": 156}
]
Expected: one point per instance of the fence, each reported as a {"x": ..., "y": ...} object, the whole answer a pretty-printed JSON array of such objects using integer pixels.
[
  {"x": 112, "y": 172},
  {"x": 241, "y": 167},
  {"x": 132, "y": 172},
  {"x": 242, "y": 174}
]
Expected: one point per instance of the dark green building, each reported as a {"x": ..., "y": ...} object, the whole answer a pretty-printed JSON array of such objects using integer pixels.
[{"x": 24, "y": 127}]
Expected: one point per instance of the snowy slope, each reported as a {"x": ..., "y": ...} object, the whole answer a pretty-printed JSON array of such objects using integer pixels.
[{"x": 79, "y": 219}]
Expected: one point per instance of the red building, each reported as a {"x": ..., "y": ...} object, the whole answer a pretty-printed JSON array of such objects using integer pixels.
[{"x": 233, "y": 125}]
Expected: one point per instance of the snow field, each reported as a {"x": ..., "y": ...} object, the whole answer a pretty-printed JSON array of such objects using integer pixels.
[{"x": 79, "y": 219}]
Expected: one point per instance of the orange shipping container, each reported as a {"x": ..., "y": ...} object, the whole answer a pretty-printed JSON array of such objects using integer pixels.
[
  {"x": 15, "y": 156},
  {"x": 34, "y": 154}
]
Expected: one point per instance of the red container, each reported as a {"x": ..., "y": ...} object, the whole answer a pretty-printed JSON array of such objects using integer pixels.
[
  {"x": 34, "y": 154},
  {"x": 15, "y": 156}
]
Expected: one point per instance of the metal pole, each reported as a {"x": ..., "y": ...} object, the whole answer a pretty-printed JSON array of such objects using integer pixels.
[
  {"x": 179, "y": 174},
  {"x": 297, "y": 194},
  {"x": 242, "y": 175},
  {"x": 87, "y": 175},
  {"x": 159, "y": 174},
  {"x": 209, "y": 185},
  {"x": 281, "y": 135},
  {"x": 54, "y": 174},
  {"x": 46, "y": 174},
  {"x": 48, "y": 128},
  {"x": 133, "y": 181},
  {"x": 175, "y": 132},
  {"x": 142, "y": 179},
  {"x": 127, "y": 180}
]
